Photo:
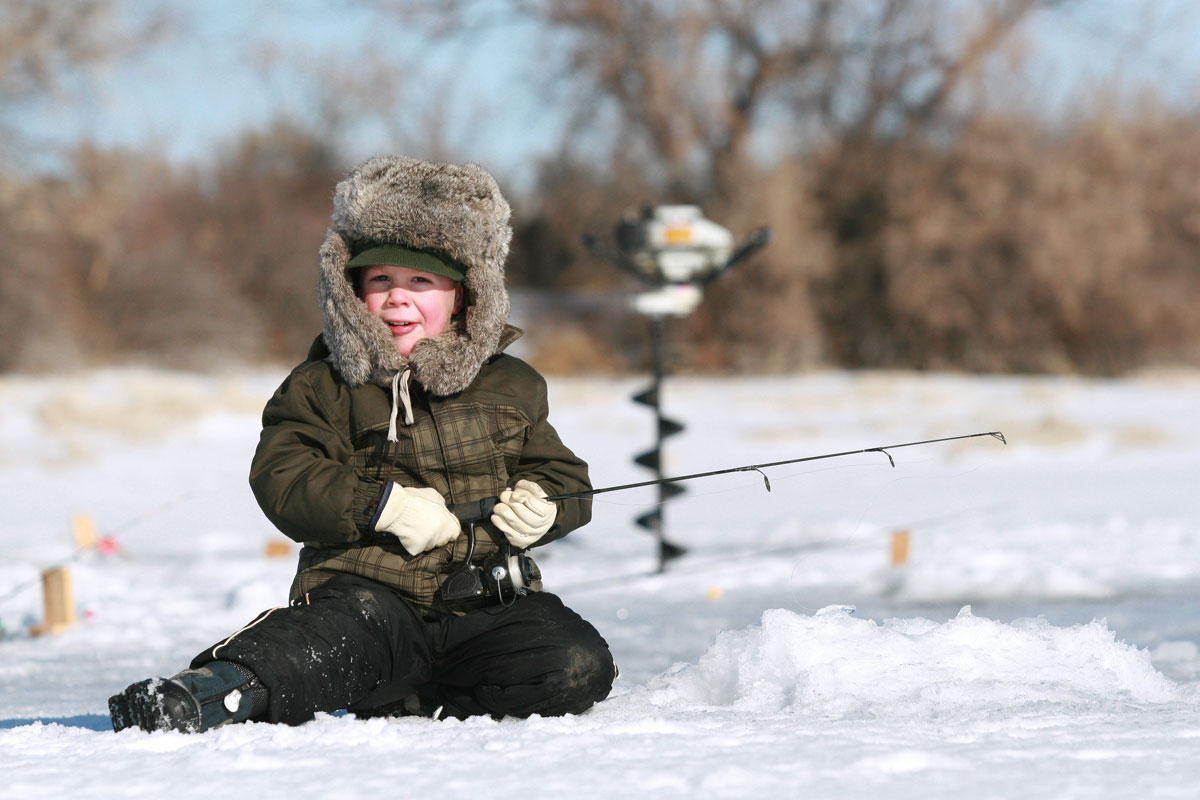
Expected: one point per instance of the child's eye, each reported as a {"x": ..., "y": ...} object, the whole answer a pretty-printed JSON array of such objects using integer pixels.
[{"x": 421, "y": 279}]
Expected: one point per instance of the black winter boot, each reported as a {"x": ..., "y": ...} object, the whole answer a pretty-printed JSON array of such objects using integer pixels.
[{"x": 195, "y": 700}]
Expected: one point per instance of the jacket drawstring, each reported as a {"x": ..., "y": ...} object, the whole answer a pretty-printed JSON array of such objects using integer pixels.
[{"x": 401, "y": 394}]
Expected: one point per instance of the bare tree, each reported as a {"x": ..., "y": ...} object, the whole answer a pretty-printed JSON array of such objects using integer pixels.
[
  {"x": 46, "y": 47},
  {"x": 40, "y": 41},
  {"x": 695, "y": 89}
]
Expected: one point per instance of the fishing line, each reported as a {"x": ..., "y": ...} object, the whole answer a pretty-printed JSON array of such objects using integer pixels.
[
  {"x": 78, "y": 551},
  {"x": 873, "y": 500},
  {"x": 868, "y": 503}
]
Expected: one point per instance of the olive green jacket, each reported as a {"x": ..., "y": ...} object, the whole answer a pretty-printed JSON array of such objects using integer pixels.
[
  {"x": 475, "y": 419},
  {"x": 324, "y": 456}
]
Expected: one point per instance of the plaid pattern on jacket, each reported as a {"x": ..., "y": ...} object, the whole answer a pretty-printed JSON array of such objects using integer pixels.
[{"x": 323, "y": 457}]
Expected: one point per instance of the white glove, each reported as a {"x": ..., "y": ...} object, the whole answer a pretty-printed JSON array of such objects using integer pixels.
[
  {"x": 418, "y": 518},
  {"x": 523, "y": 513}
]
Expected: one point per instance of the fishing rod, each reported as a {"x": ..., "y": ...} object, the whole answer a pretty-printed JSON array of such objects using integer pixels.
[
  {"x": 513, "y": 573},
  {"x": 760, "y": 467},
  {"x": 478, "y": 510}
]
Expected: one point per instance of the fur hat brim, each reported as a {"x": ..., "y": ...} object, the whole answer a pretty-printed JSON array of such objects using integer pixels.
[{"x": 450, "y": 210}]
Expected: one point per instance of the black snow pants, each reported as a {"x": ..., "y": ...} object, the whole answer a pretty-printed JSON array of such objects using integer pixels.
[{"x": 356, "y": 644}]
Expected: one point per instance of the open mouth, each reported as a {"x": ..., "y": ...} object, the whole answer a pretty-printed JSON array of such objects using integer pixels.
[{"x": 399, "y": 328}]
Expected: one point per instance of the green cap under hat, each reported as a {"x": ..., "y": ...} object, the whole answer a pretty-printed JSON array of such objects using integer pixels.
[{"x": 395, "y": 255}]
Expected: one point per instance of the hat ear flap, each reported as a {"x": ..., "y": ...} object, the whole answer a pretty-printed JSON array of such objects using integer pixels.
[
  {"x": 453, "y": 212},
  {"x": 359, "y": 343}
]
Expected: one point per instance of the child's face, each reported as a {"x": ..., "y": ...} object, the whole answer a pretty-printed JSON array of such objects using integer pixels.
[{"x": 414, "y": 304}]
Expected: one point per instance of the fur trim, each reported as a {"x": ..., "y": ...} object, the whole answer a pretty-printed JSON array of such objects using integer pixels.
[{"x": 453, "y": 210}]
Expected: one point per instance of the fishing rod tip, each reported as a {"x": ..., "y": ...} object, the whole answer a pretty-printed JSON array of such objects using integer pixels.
[{"x": 1000, "y": 436}]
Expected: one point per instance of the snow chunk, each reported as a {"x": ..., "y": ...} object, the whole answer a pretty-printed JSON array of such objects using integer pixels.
[{"x": 836, "y": 666}]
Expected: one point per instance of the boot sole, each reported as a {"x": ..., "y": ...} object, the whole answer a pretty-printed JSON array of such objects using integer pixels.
[{"x": 155, "y": 705}]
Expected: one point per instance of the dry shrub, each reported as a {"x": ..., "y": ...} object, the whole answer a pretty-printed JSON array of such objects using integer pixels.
[
  {"x": 64, "y": 240},
  {"x": 1019, "y": 250},
  {"x": 578, "y": 294},
  {"x": 269, "y": 214},
  {"x": 761, "y": 316},
  {"x": 567, "y": 349},
  {"x": 128, "y": 259},
  {"x": 1009, "y": 248}
]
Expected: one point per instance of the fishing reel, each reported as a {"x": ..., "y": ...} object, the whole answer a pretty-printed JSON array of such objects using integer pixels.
[{"x": 501, "y": 579}]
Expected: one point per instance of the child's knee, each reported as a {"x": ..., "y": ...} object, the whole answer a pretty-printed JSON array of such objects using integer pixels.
[
  {"x": 591, "y": 665},
  {"x": 585, "y": 670},
  {"x": 584, "y": 679}
]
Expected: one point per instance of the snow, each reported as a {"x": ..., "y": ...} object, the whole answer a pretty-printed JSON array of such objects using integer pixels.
[{"x": 1041, "y": 642}]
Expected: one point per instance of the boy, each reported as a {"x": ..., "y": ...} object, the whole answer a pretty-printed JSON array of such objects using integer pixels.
[{"x": 406, "y": 403}]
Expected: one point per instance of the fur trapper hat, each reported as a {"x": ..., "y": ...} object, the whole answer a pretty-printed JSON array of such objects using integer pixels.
[{"x": 454, "y": 211}]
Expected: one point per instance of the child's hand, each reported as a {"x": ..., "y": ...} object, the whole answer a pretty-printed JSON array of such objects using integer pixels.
[
  {"x": 418, "y": 518},
  {"x": 523, "y": 513}
]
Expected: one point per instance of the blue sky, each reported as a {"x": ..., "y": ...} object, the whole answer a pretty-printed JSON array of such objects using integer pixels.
[
  {"x": 228, "y": 65},
  {"x": 234, "y": 64}
]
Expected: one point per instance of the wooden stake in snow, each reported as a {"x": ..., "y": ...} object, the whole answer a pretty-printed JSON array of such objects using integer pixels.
[
  {"x": 900, "y": 545},
  {"x": 58, "y": 602},
  {"x": 277, "y": 549},
  {"x": 83, "y": 528}
]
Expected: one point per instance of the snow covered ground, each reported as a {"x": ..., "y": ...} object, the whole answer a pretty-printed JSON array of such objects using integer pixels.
[{"x": 1041, "y": 642}]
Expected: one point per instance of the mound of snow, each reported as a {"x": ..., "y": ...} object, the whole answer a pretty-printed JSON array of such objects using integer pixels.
[{"x": 833, "y": 665}]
